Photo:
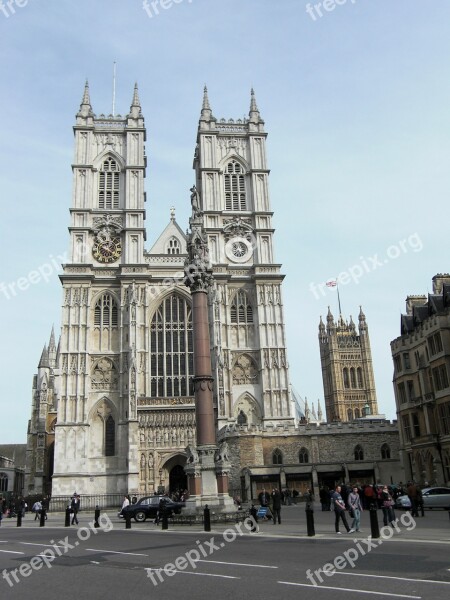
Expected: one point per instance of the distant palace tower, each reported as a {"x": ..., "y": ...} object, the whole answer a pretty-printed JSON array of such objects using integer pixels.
[{"x": 346, "y": 359}]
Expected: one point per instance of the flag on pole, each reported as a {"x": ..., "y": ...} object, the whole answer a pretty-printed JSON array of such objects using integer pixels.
[{"x": 331, "y": 283}]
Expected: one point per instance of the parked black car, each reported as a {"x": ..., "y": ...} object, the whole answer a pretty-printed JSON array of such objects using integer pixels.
[{"x": 147, "y": 508}]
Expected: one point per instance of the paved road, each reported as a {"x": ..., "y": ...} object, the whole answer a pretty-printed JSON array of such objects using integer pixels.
[{"x": 228, "y": 562}]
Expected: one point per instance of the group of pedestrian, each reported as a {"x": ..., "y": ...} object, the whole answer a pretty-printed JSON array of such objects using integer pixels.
[{"x": 272, "y": 502}]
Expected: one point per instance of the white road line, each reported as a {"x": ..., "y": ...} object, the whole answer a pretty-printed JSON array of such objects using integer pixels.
[
  {"x": 207, "y": 574},
  {"x": 34, "y": 544},
  {"x": 326, "y": 587},
  {"x": 115, "y": 552},
  {"x": 220, "y": 562},
  {"x": 391, "y": 577},
  {"x": 12, "y": 552}
]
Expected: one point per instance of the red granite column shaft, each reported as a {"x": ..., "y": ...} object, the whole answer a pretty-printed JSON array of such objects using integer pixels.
[{"x": 204, "y": 407}]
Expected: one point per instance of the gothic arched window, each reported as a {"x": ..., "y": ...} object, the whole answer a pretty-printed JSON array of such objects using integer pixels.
[
  {"x": 105, "y": 312},
  {"x": 109, "y": 184},
  {"x": 359, "y": 453},
  {"x": 303, "y": 456},
  {"x": 234, "y": 178},
  {"x": 241, "y": 311},
  {"x": 353, "y": 377},
  {"x": 360, "y": 377},
  {"x": 349, "y": 414},
  {"x": 346, "y": 379},
  {"x": 171, "y": 352},
  {"x": 277, "y": 457},
  {"x": 385, "y": 451},
  {"x": 110, "y": 436}
]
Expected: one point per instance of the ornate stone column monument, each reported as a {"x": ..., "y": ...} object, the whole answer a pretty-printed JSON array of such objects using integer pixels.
[{"x": 207, "y": 466}]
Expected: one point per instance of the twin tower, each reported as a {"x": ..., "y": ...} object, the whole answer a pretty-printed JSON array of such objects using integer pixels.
[{"x": 113, "y": 406}]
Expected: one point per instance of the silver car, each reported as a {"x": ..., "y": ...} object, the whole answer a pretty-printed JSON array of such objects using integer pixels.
[
  {"x": 403, "y": 502},
  {"x": 436, "y": 497}
]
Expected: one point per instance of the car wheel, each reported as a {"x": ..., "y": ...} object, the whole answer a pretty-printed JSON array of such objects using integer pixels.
[{"x": 140, "y": 516}]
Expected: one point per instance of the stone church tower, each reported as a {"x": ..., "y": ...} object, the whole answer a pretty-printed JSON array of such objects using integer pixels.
[
  {"x": 347, "y": 372},
  {"x": 123, "y": 408}
]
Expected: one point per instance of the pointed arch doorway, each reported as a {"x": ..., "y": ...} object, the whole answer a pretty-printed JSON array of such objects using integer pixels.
[{"x": 177, "y": 479}]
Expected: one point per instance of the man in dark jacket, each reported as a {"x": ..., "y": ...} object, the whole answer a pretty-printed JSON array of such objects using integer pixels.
[
  {"x": 75, "y": 507},
  {"x": 276, "y": 506}
]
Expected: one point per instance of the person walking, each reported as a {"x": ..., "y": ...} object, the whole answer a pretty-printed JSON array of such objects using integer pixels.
[
  {"x": 355, "y": 508},
  {"x": 387, "y": 506},
  {"x": 75, "y": 507},
  {"x": 37, "y": 507},
  {"x": 412, "y": 492},
  {"x": 339, "y": 510},
  {"x": 276, "y": 506},
  {"x": 125, "y": 503}
]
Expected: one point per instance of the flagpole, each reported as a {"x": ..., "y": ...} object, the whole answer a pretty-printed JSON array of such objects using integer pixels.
[{"x": 339, "y": 298}]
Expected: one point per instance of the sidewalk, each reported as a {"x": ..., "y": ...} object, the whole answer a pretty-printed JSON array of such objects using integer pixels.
[{"x": 434, "y": 527}]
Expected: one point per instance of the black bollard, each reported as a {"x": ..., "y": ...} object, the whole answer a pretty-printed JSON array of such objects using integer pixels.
[
  {"x": 207, "y": 518},
  {"x": 310, "y": 521},
  {"x": 96, "y": 516},
  {"x": 374, "y": 527},
  {"x": 19, "y": 518},
  {"x": 127, "y": 519},
  {"x": 67, "y": 521},
  {"x": 42, "y": 519},
  {"x": 165, "y": 520},
  {"x": 254, "y": 519}
]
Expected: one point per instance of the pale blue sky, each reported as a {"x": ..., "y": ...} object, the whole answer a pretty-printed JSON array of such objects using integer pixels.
[{"x": 357, "y": 106}]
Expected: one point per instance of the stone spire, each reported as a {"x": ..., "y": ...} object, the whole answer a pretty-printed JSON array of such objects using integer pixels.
[
  {"x": 321, "y": 327},
  {"x": 254, "y": 114},
  {"x": 52, "y": 349},
  {"x": 206, "y": 113},
  {"x": 362, "y": 320},
  {"x": 135, "y": 108},
  {"x": 85, "y": 106},
  {"x": 44, "y": 362},
  {"x": 319, "y": 411}
]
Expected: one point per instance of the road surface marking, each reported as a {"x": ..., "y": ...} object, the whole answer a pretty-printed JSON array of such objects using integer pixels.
[
  {"x": 115, "y": 552},
  {"x": 220, "y": 562},
  {"x": 326, "y": 587},
  {"x": 34, "y": 544},
  {"x": 208, "y": 574},
  {"x": 12, "y": 552},
  {"x": 391, "y": 577}
]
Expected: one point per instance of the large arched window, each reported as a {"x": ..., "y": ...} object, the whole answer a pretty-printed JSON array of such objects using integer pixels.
[
  {"x": 303, "y": 456},
  {"x": 110, "y": 436},
  {"x": 359, "y": 453},
  {"x": 349, "y": 414},
  {"x": 241, "y": 311},
  {"x": 109, "y": 184},
  {"x": 277, "y": 457},
  {"x": 235, "y": 197},
  {"x": 353, "y": 377},
  {"x": 385, "y": 451},
  {"x": 360, "y": 377},
  {"x": 171, "y": 352},
  {"x": 346, "y": 378},
  {"x": 105, "y": 312}
]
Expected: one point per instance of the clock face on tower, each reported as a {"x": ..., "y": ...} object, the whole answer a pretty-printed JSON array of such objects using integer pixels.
[
  {"x": 238, "y": 249},
  {"x": 107, "y": 250}
]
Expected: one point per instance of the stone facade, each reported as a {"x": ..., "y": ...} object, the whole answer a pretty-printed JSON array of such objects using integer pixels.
[
  {"x": 306, "y": 456},
  {"x": 347, "y": 371},
  {"x": 421, "y": 356},
  {"x": 116, "y": 396}
]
